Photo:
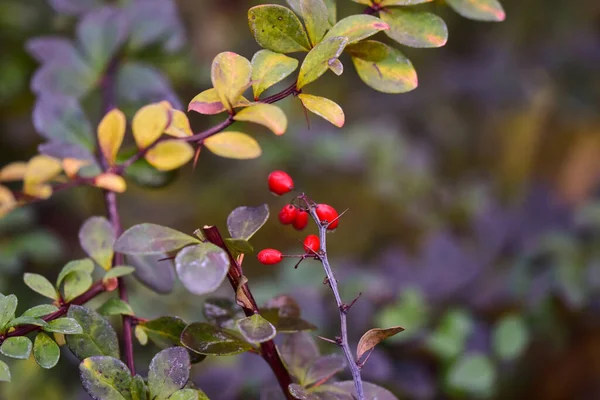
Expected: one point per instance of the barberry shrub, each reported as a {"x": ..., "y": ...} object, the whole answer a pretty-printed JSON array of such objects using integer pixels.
[{"x": 101, "y": 63}]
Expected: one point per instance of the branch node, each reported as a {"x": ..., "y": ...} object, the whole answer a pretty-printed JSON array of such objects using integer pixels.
[{"x": 345, "y": 307}]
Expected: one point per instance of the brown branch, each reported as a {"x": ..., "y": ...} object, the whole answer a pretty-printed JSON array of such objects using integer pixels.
[
  {"x": 268, "y": 350},
  {"x": 96, "y": 289}
]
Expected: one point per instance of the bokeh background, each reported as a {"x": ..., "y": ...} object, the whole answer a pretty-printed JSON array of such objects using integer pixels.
[{"x": 474, "y": 215}]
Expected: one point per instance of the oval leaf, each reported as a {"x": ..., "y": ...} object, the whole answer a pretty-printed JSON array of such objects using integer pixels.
[
  {"x": 371, "y": 390},
  {"x": 415, "y": 28},
  {"x": 373, "y": 337},
  {"x": 4, "y": 372},
  {"x": 278, "y": 29},
  {"x": 244, "y": 222},
  {"x": 357, "y": 27},
  {"x": 231, "y": 75},
  {"x": 299, "y": 351},
  {"x": 8, "y": 306},
  {"x": 256, "y": 329},
  {"x": 180, "y": 124},
  {"x": 67, "y": 326},
  {"x": 138, "y": 388},
  {"x": 169, "y": 372},
  {"x": 209, "y": 103},
  {"x": 24, "y": 320},
  {"x": 45, "y": 351},
  {"x": 232, "y": 144},
  {"x": 114, "y": 306},
  {"x": 98, "y": 337},
  {"x": 164, "y": 331},
  {"x": 41, "y": 285},
  {"x": 152, "y": 239},
  {"x": 40, "y": 311},
  {"x": 324, "y": 368},
  {"x": 202, "y": 268},
  {"x": 97, "y": 238},
  {"x": 76, "y": 283},
  {"x": 110, "y": 181},
  {"x": 510, "y": 337},
  {"x": 482, "y": 10},
  {"x": 269, "y": 68},
  {"x": 84, "y": 265},
  {"x": 148, "y": 124},
  {"x": 207, "y": 339},
  {"x": 268, "y": 115},
  {"x": 394, "y": 74},
  {"x": 473, "y": 373},
  {"x": 117, "y": 272},
  {"x": 154, "y": 271},
  {"x": 105, "y": 378},
  {"x": 316, "y": 62},
  {"x": 384, "y": 3},
  {"x": 16, "y": 347},
  {"x": 111, "y": 131},
  {"x": 324, "y": 108},
  {"x": 169, "y": 154},
  {"x": 316, "y": 19}
]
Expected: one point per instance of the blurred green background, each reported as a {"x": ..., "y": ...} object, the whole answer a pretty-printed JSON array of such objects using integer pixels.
[{"x": 474, "y": 215}]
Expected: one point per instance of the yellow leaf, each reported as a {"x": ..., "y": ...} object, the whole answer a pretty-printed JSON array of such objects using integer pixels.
[
  {"x": 265, "y": 114},
  {"x": 7, "y": 201},
  {"x": 231, "y": 75},
  {"x": 233, "y": 145},
  {"x": 316, "y": 61},
  {"x": 149, "y": 123},
  {"x": 324, "y": 108},
  {"x": 71, "y": 166},
  {"x": 269, "y": 68},
  {"x": 112, "y": 182},
  {"x": 170, "y": 154},
  {"x": 13, "y": 172},
  {"x": 179, "y": 125},
  {"x": 40, "y": 169},
  {"x": 209, "y": 103},
  {"x": 111, "y": 131}
]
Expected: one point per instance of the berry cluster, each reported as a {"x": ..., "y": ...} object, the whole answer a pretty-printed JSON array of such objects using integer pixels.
[{"x": 281, "y": 183}]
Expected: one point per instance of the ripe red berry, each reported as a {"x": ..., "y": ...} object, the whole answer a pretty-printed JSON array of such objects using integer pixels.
[
  {"x": 311, "y": 244},
  {"x": 269, "y": 256},
  {"x": 301, "y": 220},
  {"x": 327, "y": 213},
  {"x": 288, "y": 214},
  {"x": 280, "y": 183}
]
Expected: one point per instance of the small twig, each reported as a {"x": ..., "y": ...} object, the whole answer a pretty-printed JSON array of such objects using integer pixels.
[{"x": 342, "y": 308}]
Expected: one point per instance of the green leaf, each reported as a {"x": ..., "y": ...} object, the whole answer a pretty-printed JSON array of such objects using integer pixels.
[
  {"x": 41, "y": 285},
  {"x": 324, "y": 108},
  {"x": 4, "y": 372},
  {"x": 138, "y": 388},
  {"x": 188, "y": 394},
  {"x": 84, "y": 265},
  {"x": 482, "y": 10},
  {"x": 394, "y": 74},
  {"x": 105, "y": 378},
  {"x": 324, "y": 368},
  {"x": 510, "y": 337},
  {"x": 415, "y": 28},
  {"x": 373, "y": 337},
  {"x": 40, "y": 311},
  {"x": 385, "y": 3},
  {"x": 100, "y": 34},
  {"x": 117, "y": 272},
  {"x": 286, "y": 323},
  {"x": 244, "y": 222},
  {"x": 45, "y": 351},
  {"x": 76, "y": 283},
  {"x": 278, "y": 29},
  {"x": 97, "y": 238},
  {"x": 474, "y": 374},
  {"x": 449, "y": 338},
  {"x": 164, "y": 331},
  {"x": 316, "y": 62},
  {"x": 371, "y": 390},
  {"x": 157, "y": 275},
  {"x": 316, "y": 19},
  {"x": 221, "y": 312},
  {"x": 114, "y": 306},
  {"x": 239, "y": 246},
  {"x": 299, "y": 351},
  {"x": 169, "y": 372},
  {"x": 8, "y": 306},
  {"x": 148, "y": 239},
  {"x": 331, "y": 9},
  {"x": 16, "y": 347},
  {"x": 231, "y": 75},
  {"x": 256, "y": 329},
  {"x": 141, "y": 335},
  {"x": 25, "y": 320},
  {"x": 98, "y": 337},
  {"x": 268, "y": 115},
  {"x": 368, "y": 50},
  {"x": 269, "y": 68},
  {"x": 357, "y": 28},
  {"x": 207, "y": 339},
  {"x": 67, "y": 326},
  {"x": 202, "y": 268}
]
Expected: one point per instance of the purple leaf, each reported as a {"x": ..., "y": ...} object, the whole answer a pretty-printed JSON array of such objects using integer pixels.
[
  {"x": 154, "y": 21},
  {"x": 47, "y": 48},
  {"x": 141, "y": 84},
  {"x": 74, "y": 7}
]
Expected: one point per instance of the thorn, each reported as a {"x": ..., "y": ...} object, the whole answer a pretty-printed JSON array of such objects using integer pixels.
[
  {"x": 306, "y": 116},
  {"x": 338, "y": 340},
  {"x": 196, "y": 155},
  {"x": 327, "y": 339},
  {"x": 326, "y": 280},
  {"x": 338, "y": 217},
  {"x": 166, "y": 259},
  {"x": 345, "y": 307}
]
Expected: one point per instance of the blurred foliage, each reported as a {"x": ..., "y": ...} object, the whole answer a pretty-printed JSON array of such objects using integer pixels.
[{"x": 474, "y": 216}]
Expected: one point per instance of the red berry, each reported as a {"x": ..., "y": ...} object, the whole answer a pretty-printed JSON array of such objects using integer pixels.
[
  {"x": 280, "y": 183},
  {"x": 288, "y": 213},
  {"x": 269, "y": 256},
  {"x": 301, "y": 220},
  {"x": 327, "y": 213},
  {"x": 311, "y": 244}
]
